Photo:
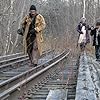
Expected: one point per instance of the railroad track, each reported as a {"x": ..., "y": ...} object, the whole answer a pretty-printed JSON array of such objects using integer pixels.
[
  {"x": 12, "y": 63},
  {"x": 8, "y": 61},
  {"x": 58, "y": 87},
  {"x": 61, "y": 85},
  {"x": 35, "y": 78},
  {"x": 11, "y": 56},
  {"x": 18, "y": 63},
  {"x": 14, "y": 67}
]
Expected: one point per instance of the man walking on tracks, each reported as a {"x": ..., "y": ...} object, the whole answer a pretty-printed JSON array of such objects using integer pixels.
[
  {"x": 84, "y": 38},
  {"x": 95, "y": 32},
  {"x": 33, "y": 25}
]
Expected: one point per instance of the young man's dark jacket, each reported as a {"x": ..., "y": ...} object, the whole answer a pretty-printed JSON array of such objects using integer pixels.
[{"x": 93, "y": 33}]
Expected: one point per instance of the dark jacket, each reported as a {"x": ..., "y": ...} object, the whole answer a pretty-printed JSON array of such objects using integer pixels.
[
  {"x": 93, "y": 33},
  {"x": 79, "y": 27}
]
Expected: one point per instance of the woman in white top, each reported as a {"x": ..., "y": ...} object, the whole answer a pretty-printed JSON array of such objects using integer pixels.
[{"x": 84, "y": 38}]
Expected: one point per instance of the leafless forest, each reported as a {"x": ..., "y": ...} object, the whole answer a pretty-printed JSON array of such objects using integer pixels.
[{"x": 62, "y": 17}]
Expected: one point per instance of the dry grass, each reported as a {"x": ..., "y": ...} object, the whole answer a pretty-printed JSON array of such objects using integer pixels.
[{"x": 61, "y": 43}]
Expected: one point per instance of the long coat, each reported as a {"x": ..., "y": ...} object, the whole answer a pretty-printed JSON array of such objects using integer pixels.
[{"x": 39, "y": 27}]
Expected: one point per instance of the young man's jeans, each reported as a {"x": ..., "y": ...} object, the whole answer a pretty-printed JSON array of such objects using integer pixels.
[{"x": 97, "y": 51}]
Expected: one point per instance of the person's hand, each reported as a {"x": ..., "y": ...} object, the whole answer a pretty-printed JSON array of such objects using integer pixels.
[
  {"x": 81, "y": 32},
  {"x": 92, "y": 28},
  {"x": 32, "y": 31}
]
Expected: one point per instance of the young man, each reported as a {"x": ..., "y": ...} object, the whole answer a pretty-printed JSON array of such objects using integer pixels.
[
  {"x": 33, "y": 25},
  {"x": 83, "y": 34},
  {"x": 95, "y": 32}
]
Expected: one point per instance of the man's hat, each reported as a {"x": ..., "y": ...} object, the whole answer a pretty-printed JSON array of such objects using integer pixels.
[{"x": 32, "y": 7}]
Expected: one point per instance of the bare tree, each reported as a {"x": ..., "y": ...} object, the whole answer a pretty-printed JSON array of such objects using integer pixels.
[{"x": 62, "y": 17}]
